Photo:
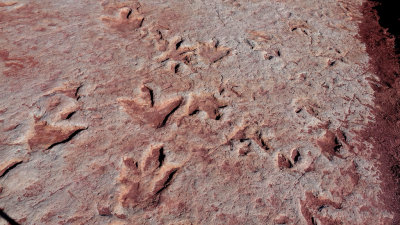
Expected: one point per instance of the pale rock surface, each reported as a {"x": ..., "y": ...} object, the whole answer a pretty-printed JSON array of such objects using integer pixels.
[{"x": 185, "y": 112}]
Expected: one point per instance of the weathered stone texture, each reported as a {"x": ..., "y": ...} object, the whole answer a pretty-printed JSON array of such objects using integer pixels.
[{"x": 186, "y": 112}]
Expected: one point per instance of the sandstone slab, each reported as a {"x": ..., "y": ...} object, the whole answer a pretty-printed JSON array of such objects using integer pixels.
[{"x": 197, "y": 112}]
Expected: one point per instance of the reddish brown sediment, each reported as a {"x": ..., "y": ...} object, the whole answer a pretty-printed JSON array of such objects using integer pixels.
[
  {"x": 230, "y": 112},
  {"x": 384, "y": 132}
]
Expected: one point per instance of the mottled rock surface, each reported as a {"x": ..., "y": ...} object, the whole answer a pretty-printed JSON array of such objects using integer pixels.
[{"x": 191, "y": 112}]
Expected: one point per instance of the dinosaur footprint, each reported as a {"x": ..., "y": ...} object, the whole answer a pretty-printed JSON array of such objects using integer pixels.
[
  {"x": 144, "y": 181},
  {"x": 209, "y": 52},
  {"x": 52, "y": 125},
  {"x": 128, "y": 19},
  {"x": 175, "y": 52},
  {"x": 143, "y": 110},
  {"x": 212, "y": 52},
  {"x": 204, "y": 102}
]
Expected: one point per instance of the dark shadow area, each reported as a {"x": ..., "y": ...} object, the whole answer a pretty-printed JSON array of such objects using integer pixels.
[
  {"x": 7, "y": 218},
  {"x": 68, "y": 139},
  {"x": 9, "y": 169},
  {"x": 389, "y": 17}
]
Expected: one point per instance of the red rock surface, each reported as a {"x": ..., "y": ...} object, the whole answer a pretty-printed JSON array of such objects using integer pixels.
[
  {"x": 193, "y": 112},
  {"x": 384, "y": 132}
]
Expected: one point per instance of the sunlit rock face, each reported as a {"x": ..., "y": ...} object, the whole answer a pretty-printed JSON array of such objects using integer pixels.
[{"x": 188, "y": 112}]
